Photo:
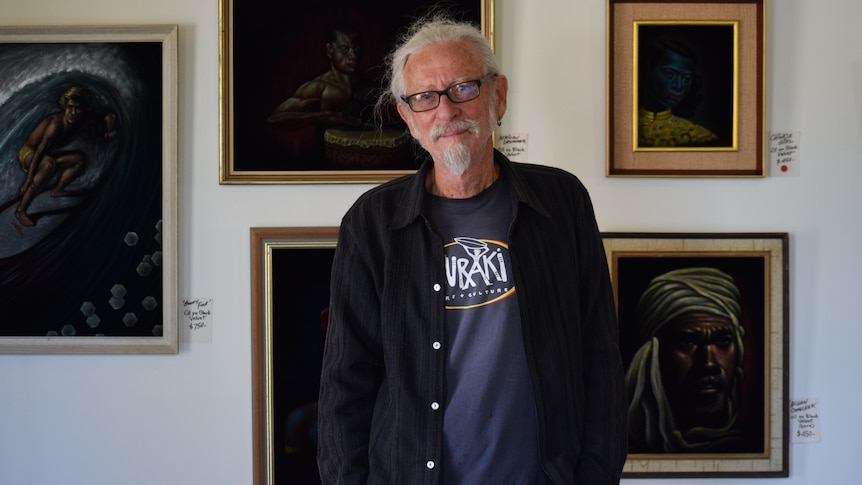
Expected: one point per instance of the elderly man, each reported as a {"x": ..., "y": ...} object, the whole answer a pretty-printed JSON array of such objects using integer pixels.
[
  {"x": 684, "y": 380},
  {"x": 472, "y": 334}
]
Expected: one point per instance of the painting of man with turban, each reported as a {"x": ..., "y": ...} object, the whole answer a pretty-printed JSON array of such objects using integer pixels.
[
  {"x": 687, "y": 372},
  {"x": 703, "y": 323}
]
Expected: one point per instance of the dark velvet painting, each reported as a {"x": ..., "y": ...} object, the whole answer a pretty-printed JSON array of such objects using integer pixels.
[
  {"x": 688, "y": 71},
  {"x": 303, "y": 81},
  {"x": 300, "y": 287},
  {"x": 703, "y": 324},
  {"x": 747, "y": 273},
  {"x": 290, "y": 288},
  {"x": 83, "y": 230}
]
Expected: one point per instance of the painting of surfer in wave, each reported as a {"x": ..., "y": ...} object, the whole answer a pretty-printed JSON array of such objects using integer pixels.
[{"x": 81, "y": 206}]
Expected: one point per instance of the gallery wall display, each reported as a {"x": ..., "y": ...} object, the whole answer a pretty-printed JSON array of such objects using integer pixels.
[
  {"x": 704, "y": 338},
  {"x": 686, "y": 88},
  {"x": 297, "y": 104},
  {"x": 88, "y": 240},
  {"x": 290, "y": 301}
]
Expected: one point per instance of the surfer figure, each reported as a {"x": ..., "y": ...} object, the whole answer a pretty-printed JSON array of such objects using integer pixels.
[{"x": 42, "y": 154}]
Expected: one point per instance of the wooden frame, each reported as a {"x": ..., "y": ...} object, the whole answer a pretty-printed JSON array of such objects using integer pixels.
[
  {"x": 751, "y": 436},
  {"x": 89, "y": 266},
  {"x": 272, "y": 132},
  {"x": 290, "y": 297},
  {"x": 711, "y": 123}
]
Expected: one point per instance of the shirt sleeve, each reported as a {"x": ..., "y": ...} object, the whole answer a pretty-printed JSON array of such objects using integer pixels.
[
  {"x": 352, "y": 367},
  {"x": 605, "y": 443}
]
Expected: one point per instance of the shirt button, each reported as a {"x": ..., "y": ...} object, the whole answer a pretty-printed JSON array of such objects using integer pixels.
[
  {"x": 436, "y": 286},
  {"x": 430, "y": 465},
  {"x": 436, "y": 345},
  {"x": 435, "y": 405}
]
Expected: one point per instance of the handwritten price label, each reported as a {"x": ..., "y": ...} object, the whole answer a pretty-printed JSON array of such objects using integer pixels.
[
  {"x": 784, "y": 152},
  {"x": 805, "y": 420},
  {"x": 197, "y": 316},
  {"x": 514, "y": 146}
]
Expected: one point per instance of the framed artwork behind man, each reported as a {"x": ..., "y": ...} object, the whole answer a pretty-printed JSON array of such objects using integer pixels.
[
  {"x": 685, "y": 88},
  {"x": 290, "y": 297},
  {"x": 88, "y": 189},
  {"x": 703, "y": 325},
  {"x": 299, "y": 84}
]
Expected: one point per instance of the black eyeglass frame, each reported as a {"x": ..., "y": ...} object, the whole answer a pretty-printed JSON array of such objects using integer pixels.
[{"x": 479, "y": 83}]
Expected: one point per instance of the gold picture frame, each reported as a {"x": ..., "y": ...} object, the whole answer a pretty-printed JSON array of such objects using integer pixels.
[
  {"x": 711, "y": 122},
  {"x": 94, "y": 269},
  {"x": 290, "y": 294},
  {"x": 277, "y": 123},
  {"x": 751, "y": 436}
]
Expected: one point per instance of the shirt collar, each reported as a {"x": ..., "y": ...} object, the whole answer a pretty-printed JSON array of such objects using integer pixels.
[{"x": 413, "y": 197}]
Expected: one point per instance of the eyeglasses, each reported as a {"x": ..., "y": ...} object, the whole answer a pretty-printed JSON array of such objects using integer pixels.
[{"x": 457, "y": 93}]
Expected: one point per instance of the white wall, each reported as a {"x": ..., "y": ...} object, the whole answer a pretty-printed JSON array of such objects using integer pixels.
[{"x": 186, "y": 418}]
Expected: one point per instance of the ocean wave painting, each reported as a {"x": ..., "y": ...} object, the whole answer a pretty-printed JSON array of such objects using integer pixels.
[{"x": 81, "y": 216}]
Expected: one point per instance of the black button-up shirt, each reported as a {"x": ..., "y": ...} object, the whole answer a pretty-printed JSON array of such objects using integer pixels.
[{"x": 383, "y": 366}]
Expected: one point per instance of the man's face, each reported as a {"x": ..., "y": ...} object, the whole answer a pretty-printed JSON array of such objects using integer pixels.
[
  {"x": 73, "y": 110},
  {"x": 344, "y": 52},
  {"x": 670, "y": 80},
  {"x": 697, "y": 355},
  {"x": 435, "y": 68}
]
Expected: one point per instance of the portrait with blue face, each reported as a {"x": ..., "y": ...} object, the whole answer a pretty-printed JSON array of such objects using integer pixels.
[{"x": 685, "y": 85}]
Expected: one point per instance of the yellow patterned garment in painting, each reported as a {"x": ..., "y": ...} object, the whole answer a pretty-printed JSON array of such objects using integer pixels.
[{"x": 664, "y": 129}]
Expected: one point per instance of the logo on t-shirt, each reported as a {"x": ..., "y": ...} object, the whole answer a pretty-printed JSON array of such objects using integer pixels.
[{"x": 477, "y": 273}]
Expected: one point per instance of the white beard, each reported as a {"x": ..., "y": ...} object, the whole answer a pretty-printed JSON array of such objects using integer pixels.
[{"x": 457, "y": 158}]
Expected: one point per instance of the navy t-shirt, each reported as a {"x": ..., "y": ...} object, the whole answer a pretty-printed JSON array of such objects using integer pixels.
[{"x": 489, "y": 425}]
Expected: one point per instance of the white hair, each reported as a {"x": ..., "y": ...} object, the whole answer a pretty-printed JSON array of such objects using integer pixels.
[{"x": 423, "y": 33}]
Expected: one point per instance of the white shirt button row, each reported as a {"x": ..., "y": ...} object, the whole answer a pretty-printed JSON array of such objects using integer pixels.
[{"x": 434, "y": 405}]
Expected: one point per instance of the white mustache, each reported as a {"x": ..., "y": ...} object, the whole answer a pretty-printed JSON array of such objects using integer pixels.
[{"x": 466, "y": 125}]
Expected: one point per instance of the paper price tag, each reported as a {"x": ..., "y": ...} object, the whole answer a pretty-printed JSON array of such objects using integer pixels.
[
  {"x": 197, "y": 320},
  {"x": 784, "y": 153},
  {"x": 514, "y": 146},
  {"x": 805, "y": 420}
]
